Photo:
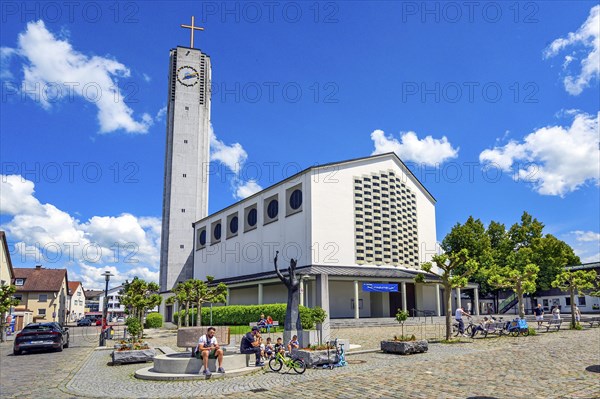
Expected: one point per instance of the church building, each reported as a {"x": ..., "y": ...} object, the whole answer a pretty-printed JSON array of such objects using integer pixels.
[
  {"x": 359, "y": 229},
  {"x": 351, "y": 226}
]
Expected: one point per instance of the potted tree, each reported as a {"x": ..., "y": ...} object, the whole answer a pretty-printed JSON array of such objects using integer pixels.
[{"x": 404, "y": 345}]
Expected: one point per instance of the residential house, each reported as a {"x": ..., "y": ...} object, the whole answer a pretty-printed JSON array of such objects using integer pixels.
[
  {"x": 76, "y": 309},
  {"x": 115, "y": 309},
  {"x": 92, "y": 301},
  {"x": 44, "y": 292}
]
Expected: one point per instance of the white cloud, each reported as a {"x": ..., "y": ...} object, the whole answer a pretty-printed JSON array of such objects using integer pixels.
[
  {"x": 428, "y": 151},
  {"x": 586, "y": 245},
  {"x": 45, "y": 234},
  {"x": 555, "y": 159},
  {"x": 6, "y": 55},
  {"x": 54, "y": 71},
  {"x": 91, "y": 276},
  {"x": 232, "y": 156},
  {"x": 160, "y": 115},
  {"x": 587, "y": 236},
  {"x": 587, "y": 39},
  {"x": 244, "y": 190}
]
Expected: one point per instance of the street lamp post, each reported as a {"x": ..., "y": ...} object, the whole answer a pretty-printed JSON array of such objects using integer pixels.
[{"x": 107, "y": 276}]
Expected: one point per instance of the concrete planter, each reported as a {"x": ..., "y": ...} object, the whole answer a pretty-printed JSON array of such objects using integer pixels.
[
  {"x": 133, "y": 356},
  {"x": 404, "y": 347}
]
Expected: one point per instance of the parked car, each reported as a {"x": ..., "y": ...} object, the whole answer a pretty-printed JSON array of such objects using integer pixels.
[
  {"x": 99, "y": 322},
  {"x": 120, "y": 320},
  {"x": 41, "y": 336},
  {"x": 84, "y": 322}
]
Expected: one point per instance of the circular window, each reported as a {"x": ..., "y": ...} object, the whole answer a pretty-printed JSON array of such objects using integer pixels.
[
  {"x": 273, "y": 209},
  {"x": 217, "y": 232},
  {"x": 233, "y": 225},
  {"x": 296, "y": 199},
  {"x": 202, "y": 238},
  {"x": 252, "y": 217}
]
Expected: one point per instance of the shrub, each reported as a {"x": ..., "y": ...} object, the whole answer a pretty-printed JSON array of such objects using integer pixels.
[
  {"x": 578, "y": 327},
  {"x": 134, "y": 327},
  {"x": 242, "y": 315},
  {"x": 405, "y": 338},
  {"x": 532, "y": 331},
  {"x": 154, "y": 320}
]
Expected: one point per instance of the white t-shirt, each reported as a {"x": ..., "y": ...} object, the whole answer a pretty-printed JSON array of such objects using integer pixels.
[
  {"x": 204, "y": 342},
  {"x": 458, "y": 314}
]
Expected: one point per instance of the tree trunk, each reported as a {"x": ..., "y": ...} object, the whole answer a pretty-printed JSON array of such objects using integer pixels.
[
  {"x": 519, "y": 291},
  {"x": 2, "y": 327},
  {"x": 199, "y": 314},
  {"x": 180, "y": 315},
  {"x": 187, "y": 313},
  {"x": 573, "y": 321},
  {"x": 447, "y": 300}
]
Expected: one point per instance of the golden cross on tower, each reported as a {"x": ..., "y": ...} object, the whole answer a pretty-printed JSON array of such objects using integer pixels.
[{"x": 192, "y": 28}]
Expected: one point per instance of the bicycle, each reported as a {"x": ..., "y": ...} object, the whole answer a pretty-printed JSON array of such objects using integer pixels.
[
  {"x": 277, "y": 362},
  {"x": 468, "y": 329}
]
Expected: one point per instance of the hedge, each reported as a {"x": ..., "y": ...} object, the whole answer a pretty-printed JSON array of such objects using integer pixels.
[
  {"x": 154, "y": 320},
  {"x": 242, "y": 315}
]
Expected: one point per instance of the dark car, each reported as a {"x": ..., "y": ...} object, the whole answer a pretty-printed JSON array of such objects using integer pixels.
[
  {"x": 41, "y": 336},
  {"x": 84, "y": 322}
]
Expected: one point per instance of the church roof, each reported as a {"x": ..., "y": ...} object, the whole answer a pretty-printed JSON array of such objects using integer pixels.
[
  {"x": 339, "y": 271},
  {"x": 328, "y": 165}
]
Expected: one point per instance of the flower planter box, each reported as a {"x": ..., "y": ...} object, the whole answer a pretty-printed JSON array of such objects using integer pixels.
[
  {"x": 133, "y": 356},
  {"x": 316, "y": 358},
  {"x": 404, "y": 347}
]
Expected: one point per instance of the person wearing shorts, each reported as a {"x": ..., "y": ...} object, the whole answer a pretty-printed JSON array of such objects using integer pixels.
[
  {"x": 209, "y": 349},
  {"x": 539, "y": 314}
]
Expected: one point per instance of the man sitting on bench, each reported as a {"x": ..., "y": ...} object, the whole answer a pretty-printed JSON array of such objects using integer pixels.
[
  {"x": 251, "y": 344},
  {"x": 209, "y": 348}
]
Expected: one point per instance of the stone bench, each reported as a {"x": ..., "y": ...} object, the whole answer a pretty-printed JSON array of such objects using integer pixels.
[
  {"x": 263, "y": 329},
  {"x": 552, "y": 324},
  {"x": 187, "y": 337},
  {"x": 592, "y": 321}
]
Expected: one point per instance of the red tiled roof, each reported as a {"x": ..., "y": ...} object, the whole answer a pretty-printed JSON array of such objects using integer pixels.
[
  {"x": 45, "y": 280},
  {"x": 73, "y": 286}
]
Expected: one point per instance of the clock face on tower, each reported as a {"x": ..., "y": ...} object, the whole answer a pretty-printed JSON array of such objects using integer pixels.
[{"x": 187, "y": 76}]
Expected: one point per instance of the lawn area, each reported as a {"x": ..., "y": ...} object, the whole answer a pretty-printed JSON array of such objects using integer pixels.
[{"x": 245, "y": 329}]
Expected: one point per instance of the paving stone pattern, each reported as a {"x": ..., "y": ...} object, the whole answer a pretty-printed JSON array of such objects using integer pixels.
[{"x": 548, "y": 365}]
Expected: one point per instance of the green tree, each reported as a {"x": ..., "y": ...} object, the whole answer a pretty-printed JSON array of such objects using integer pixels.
[
  {"x": 180, "y": 297},
  {"x": 6, "y": 302},
  {"x": 318, "y": 316},
  {"x": 518, "y": 274},
  {"x": 551, "y": 255},
  {"x": 401, "y": 317},
  {"x": 523, "y": 235},
  {"x": 139, "y": 296},
  {"x": 202, "y": 292},
  {"x": 453, "y": 269},
  {"x": 472, "y": 236},
  {"x": 572, "y": 281}
]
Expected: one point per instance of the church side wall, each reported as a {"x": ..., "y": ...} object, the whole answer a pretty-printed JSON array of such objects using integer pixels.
[
  {"x": 252, "y": 249},
  {"x": 333, "y": 221}
]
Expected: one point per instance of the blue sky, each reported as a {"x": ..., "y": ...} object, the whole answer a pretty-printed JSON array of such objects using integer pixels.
[{"x": 494, "y": 106}]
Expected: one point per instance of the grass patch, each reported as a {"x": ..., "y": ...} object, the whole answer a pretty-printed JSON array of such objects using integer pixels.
[{"x": 451, "y": 341}]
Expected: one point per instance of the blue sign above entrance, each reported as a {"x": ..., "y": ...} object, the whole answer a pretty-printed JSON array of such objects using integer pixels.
[{"x": 380, "y": 287}]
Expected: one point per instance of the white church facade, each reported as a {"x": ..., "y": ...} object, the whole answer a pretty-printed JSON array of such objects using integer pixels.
[{"x": 356, "y": 222}]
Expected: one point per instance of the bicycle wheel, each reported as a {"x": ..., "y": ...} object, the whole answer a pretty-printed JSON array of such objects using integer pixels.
[
  {"x": 299, "y": 366},
  {"x": 515, "y": 332},
  {"x": 525, "y": 332},
  {"x": 469, "y": 330},
  {"x": 275, "y": 364}
]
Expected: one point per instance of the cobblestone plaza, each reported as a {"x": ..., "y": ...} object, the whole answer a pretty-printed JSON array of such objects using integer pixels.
[{"x": 562, "y": 364}]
